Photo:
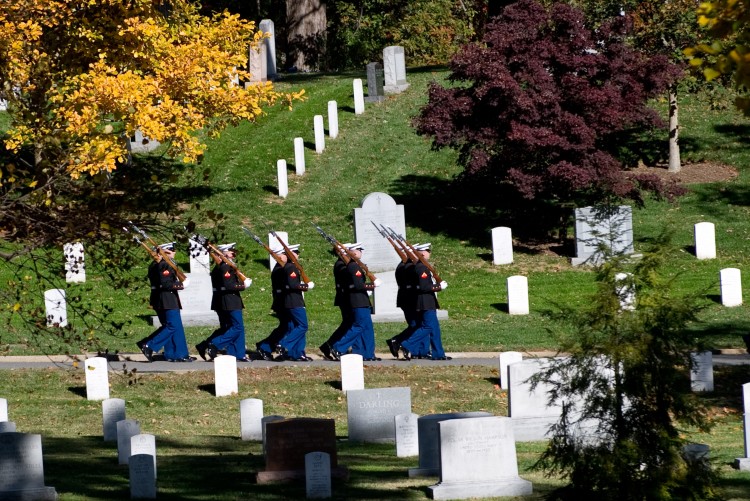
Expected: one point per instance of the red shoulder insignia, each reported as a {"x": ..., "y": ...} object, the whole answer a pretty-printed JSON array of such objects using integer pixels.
[
  {"x": 424, "y": 274},
  {"x": 359, "y": 273},
  {"x": 227, "y": 275},
  {"x": 165, "y": 273},
  {"x": 293, "y": 274}
]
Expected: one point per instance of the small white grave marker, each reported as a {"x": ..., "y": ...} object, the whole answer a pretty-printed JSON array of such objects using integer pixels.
[
  {"x": 126, "y": 429},
  {"x": 299, "y": 156},
  {"x": 352, "y": 373},
  {"x": 142, "y": 477},
  {"x": 705, "y": 240},
  {"x": 702, "y": 373},
  {"x": 251, "y": 415},
  {"x": 97, "y": 378},
  {"x": 144, "y": 443},
  {"x": 625, "y": 290},
  {"x": 502, "y": 245},
  {"x": 113, "y": 410},
  {"x": 3, "y": 409},
  {"x": 731, "y": 287},
  {"x": 407, "y": 437},
  {"x": 333, "y": 120},
  {"x": 225, "y": 375},
  {"x": 56, "y": 308},
  {"x": 359, "y": 97},
  {"x": 320, "y": 134},
  {"x": 743, "y": 464},
  {"x": 282, "y": 176},
  {"x": 75, "y": 267},
  {"x": 318, "y": 475},
  {"x": 518, "y": 295}
]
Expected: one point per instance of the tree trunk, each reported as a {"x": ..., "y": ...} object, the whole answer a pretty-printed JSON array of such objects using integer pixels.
[
  {"x": 306, "y": 34},
  {"x": 674, "y": 132}
]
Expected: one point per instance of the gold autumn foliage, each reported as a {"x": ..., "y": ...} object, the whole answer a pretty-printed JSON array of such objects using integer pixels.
[{"x": 80, "y": 76}]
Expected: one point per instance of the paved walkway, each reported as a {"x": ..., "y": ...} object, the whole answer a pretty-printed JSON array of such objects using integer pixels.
[{"x": 130, "y": 361}]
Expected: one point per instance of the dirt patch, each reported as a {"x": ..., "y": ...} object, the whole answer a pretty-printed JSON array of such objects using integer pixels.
[{"x": 705, "y": 172}]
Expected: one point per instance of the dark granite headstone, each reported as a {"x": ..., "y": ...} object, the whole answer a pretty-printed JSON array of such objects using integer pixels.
[{"x": 375, "y": 79}]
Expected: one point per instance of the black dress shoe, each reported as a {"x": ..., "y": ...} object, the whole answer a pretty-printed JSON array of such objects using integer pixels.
[
  {"x": 186, "y": 359},
  {"x": 374, "y": 359},
  {"x": 325, "y": 349},
  {"x": 214, "y": 352},
  {"x": 265, "y": 355},
  {"x": 407, "y": 355},
  {"x": 202, "y": 347},
  {"x": 244, "y": 359},
  {"x": 335, "y": 354},
  {"x": 393, "y": 346},
  {"x": 148, "y": 352}
]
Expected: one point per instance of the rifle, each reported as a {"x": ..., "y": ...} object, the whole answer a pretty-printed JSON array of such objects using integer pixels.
[
  {"x": 218, "y": 256},
  {"x": 401, "y": 253},
  {"x": 407, "y": 248},
  {"x": 148, "y": 248},
  {"x": 375, "y": 280},
  {"x": 292, "y": 256},
  {"x": 261, "y": 242},
  {"x": 180, "y": 274},
  {"x": 417, "y": 254},
  {"x": 340, "y": 250}
]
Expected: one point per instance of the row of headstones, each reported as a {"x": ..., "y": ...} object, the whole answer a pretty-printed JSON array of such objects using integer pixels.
[
  {"x": 615, "y": 229},
  {"x": 395, "y": 81}
]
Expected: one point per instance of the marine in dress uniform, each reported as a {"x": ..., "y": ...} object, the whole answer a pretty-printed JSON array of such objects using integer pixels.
[
  {"x": 428, "y": 327},
  {"x": 361, "y": 336},
  {"x": 406, "y": 299},
  {"x": 165, "y": 300},
  {"x": 289, "y": 305},
  {"x": 341, "y": 299},
  {"x": 226, "y": 301}
]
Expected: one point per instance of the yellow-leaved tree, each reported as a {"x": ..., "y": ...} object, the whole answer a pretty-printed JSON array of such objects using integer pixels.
[{"x": 81, "y": 76}]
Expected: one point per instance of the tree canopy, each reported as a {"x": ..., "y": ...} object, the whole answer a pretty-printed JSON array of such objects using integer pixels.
[
  {"x": 81, "y": 77},
  {"x": 542, "y": 103}
]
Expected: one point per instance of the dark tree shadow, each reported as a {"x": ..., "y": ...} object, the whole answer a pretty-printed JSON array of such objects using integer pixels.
[
  {"x": 500, "y": 307},
  {"x": 336, "y": 385},
  {"x": 78, "y": 390}
]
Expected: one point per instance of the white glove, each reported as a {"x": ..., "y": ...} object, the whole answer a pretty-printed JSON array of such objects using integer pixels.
[
  {"x": 443, "y": 285},
  {"x": 377, "y": 282},
  {"x": 248, "y": 282},
  {"x": 310, "y": 285},
  {"x": 186, "y": 282}
]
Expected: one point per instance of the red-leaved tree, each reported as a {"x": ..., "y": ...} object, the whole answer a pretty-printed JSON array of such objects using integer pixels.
[{"x": 541, "y": 106}]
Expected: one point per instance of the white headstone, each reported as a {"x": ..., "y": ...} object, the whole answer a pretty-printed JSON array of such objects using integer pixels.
[
  {"x": 702, "y": 373},
  {"x": 3, "y": 409},
  {"x": 144, "y": 443},
  {"x": 381, "y": 209},
  {"x": 126, "y": 429},
  {"x": 407, "y": 437},
  {"x": 113, "y": 410},
  {"x": 502, "y": 245},
  {"x": 478, "y": 460},
  {"x": 251, "y": 414},
  {"x": 625, "y": 290},
  {"x": 731, "y": 286},
  {"x": 705, "y": 240},
  {"x": 196, "y": 296},
  {"x": 320, "y": 134},
  {"x": 743, "y": 464},
  {"x": 596, "y": 227},
  {"x": 352, "y": 373},
  {"x": 257, "y": 64},
  {"x": 318, "y": 475},
  {"x": 267, "y": 26},
  {"x": 274, "y": 245},
  {"x": 518, "y": 295},
  {"x": 7, "y": 427},
  {"x": 97, "y": 378},
  {"x": 225, "y": 375},
  {"x": 75, "y": 267},
  {"x": 283, "y": 181},
  {"x": 394, "y": 68},
  {"x": 333, "y": 120},
  {"x": 141, "y": 144},
  {"x": 530, "y": 410},
  {"x": 141, "y": 468},
  {"x": 56, "y": 308},
  {"x": 359, "y": 97},
  {"x": 22, "y": 472},
  {"x": 506, "y": 358},
  {"x": 299, "y": 156}
]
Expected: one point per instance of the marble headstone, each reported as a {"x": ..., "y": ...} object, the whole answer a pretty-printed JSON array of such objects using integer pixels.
[
  {"x": 375, "y": 80},
  {"x": 141, "y": 468},
  {"x": 333, "y": 120},
  {"x": 702, "y": 373},
  {"x": 225, "y": 375},
  {"x": 22, "y": 472},
  {"x": 75, "y": 266},
  {"x": 705, "y": 240},
  {"x": 518, "y": 295},
  {"x": 126, "y": 429},
  {"x": 352, "y": 373},
  {"x": 56, "y": 308},
  {"x": 318, "y": 475},
  {"x": 394, "y": 66},
  {"x": 505, "y": 359},
  {"x": 597, "y": 227},
  {"x": 113, "y": 410},
  {"x": 502, "y": 245},
  {"x": 299, "y": 156},
  {"x": 320, "y": 134},
  {"x": 3, "y": 409},
  {"x": 731, "y": 287},
  {"x": 370, "y": 413},
  {"x": 140, "y": 144},
  {"x": 251, "y": 415},
  {"x": 359, "y": 96},
  {"x": 144, "y": 443},
  {"x": 407, "y": 437},
  {"x": 743, "y": 463},
  {"x": 267, "y": 26},
  {"x": 97, "y": 378},
  {"x": 478, "y": 460}
]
